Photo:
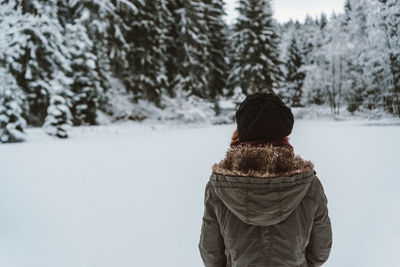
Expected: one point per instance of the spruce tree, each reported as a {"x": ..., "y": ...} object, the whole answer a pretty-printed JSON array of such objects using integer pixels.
[
  {"x": 174, "y": 45},
  {"x": 58, "y": 120},
  {"x": 323, "y": 21},
  {"x": 218, "y": 41},
  {"x": 187, "y": 49},
  {"x": 11, "y": 122},
  {"x": 256, "y": 65},
  {"x": 102, "y": 25},
  {"x": 118, "y": 18},
  {"x": 85, "y": 87},
  {"x": 308, "y": 34},
  {"x": 347, "y": 11},
  {"x": 295, "y": 75},
  {"x": 390, "y": 16},
  {"x": 43, "y": 59},
  {"x": 147, "y": 57},
  {"x": 108, "y": 27},
  {"x": 373, "y": 56},
  {"x": 354, "y": 35}
]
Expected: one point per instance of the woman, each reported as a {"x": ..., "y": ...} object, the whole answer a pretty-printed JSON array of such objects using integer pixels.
[{"x": 264, "y": 206}]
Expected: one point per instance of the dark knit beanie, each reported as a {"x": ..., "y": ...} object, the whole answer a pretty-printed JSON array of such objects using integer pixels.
[{"x": 263, "y": 116}]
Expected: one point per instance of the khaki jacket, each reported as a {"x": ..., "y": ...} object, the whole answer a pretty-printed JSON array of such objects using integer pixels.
[{"x": 264, "y": 206}]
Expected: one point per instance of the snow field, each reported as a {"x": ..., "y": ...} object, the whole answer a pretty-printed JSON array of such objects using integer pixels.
[{"x": 133, "y": 196}]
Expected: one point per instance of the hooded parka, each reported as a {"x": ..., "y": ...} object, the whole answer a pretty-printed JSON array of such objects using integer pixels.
[{"x": 264, "y": 207}]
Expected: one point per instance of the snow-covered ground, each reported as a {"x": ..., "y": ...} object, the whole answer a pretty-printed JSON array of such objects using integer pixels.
[{"x": 133, "y": 195}]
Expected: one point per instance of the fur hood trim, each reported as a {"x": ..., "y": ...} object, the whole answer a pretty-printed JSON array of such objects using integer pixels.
[{"x": 262, "y": 162}]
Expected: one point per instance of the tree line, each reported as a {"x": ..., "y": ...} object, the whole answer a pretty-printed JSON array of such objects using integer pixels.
[
  {"x": 350, "y": 60},
  {"x": 62, "y": 61}
]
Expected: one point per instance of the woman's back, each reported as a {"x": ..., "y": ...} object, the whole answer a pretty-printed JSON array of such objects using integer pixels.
[
  {"x": 264, "y": 206},
  {"x": 276, "y": 216}
]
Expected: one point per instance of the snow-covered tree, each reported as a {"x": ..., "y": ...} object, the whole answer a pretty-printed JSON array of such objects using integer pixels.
[
  {"x": 42, "y": 61},
  {"x": 147, "y": 57},
  {"x": 113, "y": 24},
  {"x": 187, "y": 48},
  {"x": 354, "y": 57},
  {"x": 309, "y": 37},
  {"x": 218, "y": 41},
  {"x": 314, "y": 85},
  {"x": 347, "y": 12},
  {"x": 58, "y": 120},
  {"x": 86, "y": 85},
  {"x": 390, "y": 16},
  {"x": 11, "y": 122},
  {"x": 108, "y": 26},
  {"x": 256, "y": 65},
  {"x": 101, "y": 23},
  {"x": 294, "y": 77},
  {"x": 354, "y": 34},
  {"x": 370, "y": 53},
  {"x": 323, "y": 21},
  {"x": 95, "y": 52}
]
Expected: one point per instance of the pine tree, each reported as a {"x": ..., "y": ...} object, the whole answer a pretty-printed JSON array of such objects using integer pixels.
[
  {"x": 359, "y": 11},
  {"x": 86, "y": 85},
  {"x": 295, "y": 75},
  {"x": 28, "y": 6},
  {"x": 309, "y": 40},
  {"x": 373, "y": 55},
  {"x": 308, "y": 34},
  {"x": 102, "y": 29},
  {"x": 218, "y": 40},
  {"x": 391, "y": 26},
  {"x": 347, "y": 11},
  {"x": 118, "y": 18},
  {"x": 86, "y": 90},
  {"x": 11, "y": 122},
  {"x": 58, "y": 120},
  {"x": 312, "y": 36},
  {"x": 148, "y": 54},
  {"x": 108, "y": 25},
  {"x": 356, "y": 87},
  {"x": 109, "y": 38},
  {"x": 323, "y": 21},
  {"x": 230, "y": 90},
  {"x": 42, "y": 58},
  {"x": 353, "y": 34},
  {"x": 256, "y": 58},
  {"x": 174, "y": 45},
  {"x": 187, "y": 49}
]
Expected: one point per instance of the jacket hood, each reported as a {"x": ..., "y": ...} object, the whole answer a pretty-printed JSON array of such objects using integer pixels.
[{"x": 262, "y": 185}]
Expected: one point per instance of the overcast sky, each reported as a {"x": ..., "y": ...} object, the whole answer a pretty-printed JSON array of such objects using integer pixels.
[{"x": 284, "y": 10}]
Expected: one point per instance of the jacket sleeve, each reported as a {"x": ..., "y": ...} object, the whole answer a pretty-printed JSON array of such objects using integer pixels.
[
  {"x": 212, "y": 247},
  {"x": 320, "y": 244}
]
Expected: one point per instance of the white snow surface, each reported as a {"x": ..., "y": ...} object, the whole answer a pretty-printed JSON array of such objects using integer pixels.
[{"x": 132, "y": 194}]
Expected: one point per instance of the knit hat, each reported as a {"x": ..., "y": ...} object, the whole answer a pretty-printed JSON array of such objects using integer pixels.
[{"x": 263, "y": 116}]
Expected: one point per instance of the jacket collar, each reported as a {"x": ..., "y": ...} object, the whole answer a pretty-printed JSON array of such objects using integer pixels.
[{"x": 261, "y": 162}]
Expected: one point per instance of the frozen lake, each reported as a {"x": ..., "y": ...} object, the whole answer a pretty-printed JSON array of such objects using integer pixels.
[{"x": 133, "y": 196}]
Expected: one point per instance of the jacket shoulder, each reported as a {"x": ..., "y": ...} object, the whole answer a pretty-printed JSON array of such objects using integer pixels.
[
  {"x": 210, "y": 194},
  {"x": 316, "y": 189}
]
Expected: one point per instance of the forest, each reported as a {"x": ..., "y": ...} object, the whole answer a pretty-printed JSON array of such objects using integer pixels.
[{"x": 68, "y": 63}]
